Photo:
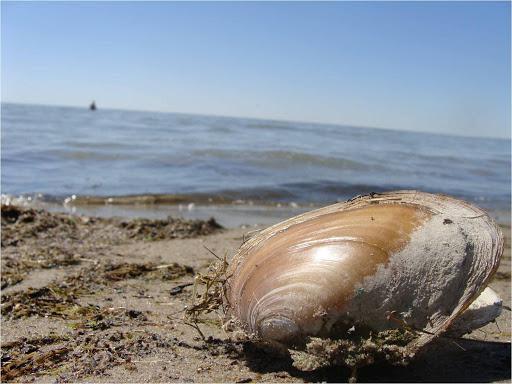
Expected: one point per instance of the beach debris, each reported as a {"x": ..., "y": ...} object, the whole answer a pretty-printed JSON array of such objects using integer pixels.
[
  {"x": 81, "y": 355},
  {"x": 19, "y": 224},
  {"x": 179, "y": 288},
  {"x": 483, "y": 310},
  {"x": 376, "y": 277},
  {"x": 46, "y": 301},
  {"x": 92, "y": 327},
  {"x": 116, "y": 272},
  {"x": 61, "y": 299},
  {"x": 37, "y": 239},
  {"x": 11, "y": 277},
  {"x": 171, "y": 228},
  {"x": 33, "y": 362},
  {"x": 207, "y": 295}
]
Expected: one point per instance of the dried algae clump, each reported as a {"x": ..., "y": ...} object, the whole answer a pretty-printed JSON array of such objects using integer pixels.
[
  {"x": 171, "y": 228},
  {"x": 36, "y": 239},
  {"x": 53, "y": 300},
  {"x": 72, "y": 358},
  {"x": 61, "y": 299},
  {"x": 19, "y": 224},
  {"x": 387, "y": 346},
  {"x": 207, "y": 295},
  {"x": 129, "y": 271},
  {"x": 34, "y": 362}
]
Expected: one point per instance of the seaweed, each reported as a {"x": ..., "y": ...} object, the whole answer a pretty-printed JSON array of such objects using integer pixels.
[
  {"x": 106, "y": 318},
  {"x": 80, "y": 355},
  {"x": 53, "y": 300},
  {"x": 353, "y": 353},
  {"x": 129, "y": 270},
  {"x": 24, "y": 356},
  {"x": 20, "y": 224},
  {"x": 171, "y": 228},
  {"x": 60, "y": 299},
  {"x": 37, "y": 239},
  {"x": 11, "y": 277},
  {"x": 16, "y": 266},
  {"x": 207, "y": 296},
  {"x": 34, "y": 362}
]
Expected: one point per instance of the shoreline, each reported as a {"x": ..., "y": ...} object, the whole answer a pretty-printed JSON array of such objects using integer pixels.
[
  {"x": 101, "y": 300},
  {"x": 229, "y": 212}
]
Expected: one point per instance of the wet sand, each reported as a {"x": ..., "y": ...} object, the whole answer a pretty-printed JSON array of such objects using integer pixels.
[{"x": 102, "y": 300}]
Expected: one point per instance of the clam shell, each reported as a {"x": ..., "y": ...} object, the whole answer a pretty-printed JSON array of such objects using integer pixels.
[{"x": 378, "y": 261}]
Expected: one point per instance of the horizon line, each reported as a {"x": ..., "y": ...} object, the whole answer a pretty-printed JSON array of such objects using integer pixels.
[{"x": 260, "y": 119}]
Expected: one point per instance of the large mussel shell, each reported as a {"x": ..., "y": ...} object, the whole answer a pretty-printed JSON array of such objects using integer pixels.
[{"x": 380, "y": 261}]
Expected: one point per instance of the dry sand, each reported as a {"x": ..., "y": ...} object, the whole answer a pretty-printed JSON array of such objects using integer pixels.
[{"x": 99, "y": 300}]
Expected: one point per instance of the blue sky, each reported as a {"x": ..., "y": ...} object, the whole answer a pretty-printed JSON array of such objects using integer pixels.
[{"x": 435, "y": 67}]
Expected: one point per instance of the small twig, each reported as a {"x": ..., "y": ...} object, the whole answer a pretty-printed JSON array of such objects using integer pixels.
[
  {"x": 458, "y": 345},
  {"x": 175, "y": 313},
  {"x": 196, "y": 327},
  {"x": 53, "y": 292},
  {"x": 213, "y": 253},
  {"x": 165, "y": 266},
  {"x": 111, "y": 309},
  {"x": 179, "y": 288}
]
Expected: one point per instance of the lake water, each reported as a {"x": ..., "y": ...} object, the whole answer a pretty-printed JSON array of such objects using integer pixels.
[{"x": 57, "y": 152}]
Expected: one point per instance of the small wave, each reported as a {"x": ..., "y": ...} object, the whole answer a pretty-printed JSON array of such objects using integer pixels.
[
  {"x": 34, "y": 200},
  {"x": 6, "y": 199},
  {"x": 98, "y": 145},
  {"x": 280, "y": 159},
  {"x": 296, "y": 158},
  {"x": 290, "y": 194},
  {"x": 428, "y": 159},
  {"x": 304, "y": 193},
  {"x": 88, "y": 155},
  {"x": 269, "y": 124}
]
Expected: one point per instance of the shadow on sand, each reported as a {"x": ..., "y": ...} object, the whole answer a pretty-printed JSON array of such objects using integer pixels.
[{"x": 445, "y": 361}]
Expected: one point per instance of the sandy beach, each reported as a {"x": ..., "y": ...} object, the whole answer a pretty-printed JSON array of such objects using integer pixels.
[
  {"x": 89, "y": 299},
  {"x": 145, "y": 146}
]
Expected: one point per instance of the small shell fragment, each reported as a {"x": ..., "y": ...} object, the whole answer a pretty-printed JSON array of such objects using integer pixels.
[
  {"x": 398, "y": 260},
  {"x": 483, "y": 310}
]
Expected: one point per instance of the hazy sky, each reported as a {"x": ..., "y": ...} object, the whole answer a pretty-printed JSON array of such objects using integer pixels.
[{"x": 438, "y": 67}]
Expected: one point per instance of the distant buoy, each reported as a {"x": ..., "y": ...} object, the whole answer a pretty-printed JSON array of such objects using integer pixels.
[{"x": 92, "y": 107}]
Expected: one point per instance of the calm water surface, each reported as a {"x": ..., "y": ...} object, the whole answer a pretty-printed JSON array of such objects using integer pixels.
[{"x": 62, "y": 151}]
